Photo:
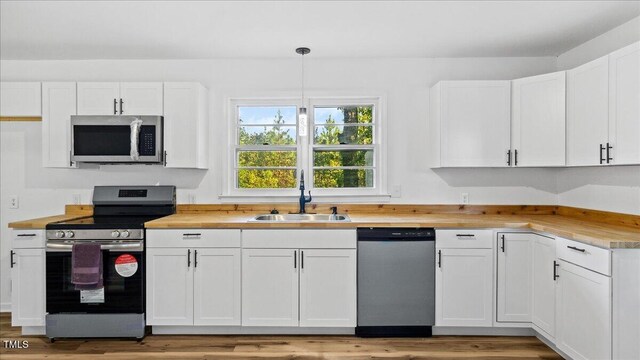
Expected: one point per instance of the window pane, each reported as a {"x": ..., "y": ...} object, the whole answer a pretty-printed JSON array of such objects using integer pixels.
[
  {"x": 266, "y": 179},
  {"x": 267, "y": 135},
  {"x": 343, "y": 178},
  {"x": 266, "y": 158},
  {"x": 343, "y": 158},
  {"x": 266, "y": 115},
  {"x": 343, "y": 115},
  {"x": 340, "y": 134}
]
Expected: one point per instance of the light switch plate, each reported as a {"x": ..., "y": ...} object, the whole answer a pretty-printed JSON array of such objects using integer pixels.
[
  {"x": 396, "y": 191},
  {"x": 77, "y": 199}
]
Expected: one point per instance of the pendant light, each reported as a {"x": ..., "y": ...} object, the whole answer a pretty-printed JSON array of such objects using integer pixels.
[{"x": 302, "y": 112}]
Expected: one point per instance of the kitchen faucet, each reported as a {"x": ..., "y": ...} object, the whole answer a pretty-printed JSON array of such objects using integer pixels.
[{"x": 303, "y": 200}]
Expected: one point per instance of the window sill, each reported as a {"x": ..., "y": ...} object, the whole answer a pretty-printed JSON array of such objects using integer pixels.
[{"x": 271, "y": 198}]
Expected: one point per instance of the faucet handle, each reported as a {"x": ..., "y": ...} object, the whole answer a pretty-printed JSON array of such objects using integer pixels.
[{"x": 334, "y": 210}]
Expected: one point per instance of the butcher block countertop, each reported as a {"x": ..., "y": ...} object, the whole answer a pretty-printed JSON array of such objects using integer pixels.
[{"x": 603, "y": 229}]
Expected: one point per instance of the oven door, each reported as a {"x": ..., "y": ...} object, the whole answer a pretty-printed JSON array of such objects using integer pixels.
[
  {"x": 107, "y": 139},
  {"x": 123, "y": 275}
]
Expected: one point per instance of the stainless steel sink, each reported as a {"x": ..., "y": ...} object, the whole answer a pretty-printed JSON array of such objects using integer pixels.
[{"x": 301, "y": 217}]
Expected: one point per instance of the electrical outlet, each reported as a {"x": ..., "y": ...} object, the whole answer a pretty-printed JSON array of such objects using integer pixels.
[
  {"x": 77, "y": 199},
  {"x": 464, "y": 198},
  {"x": 192, "y": 198},
  {"x": 396, "y": 191},
  {"x": 14, "y": 202}
]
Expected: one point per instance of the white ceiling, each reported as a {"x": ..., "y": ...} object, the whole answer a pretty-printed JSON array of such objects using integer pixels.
[{"x": 215, "y": 29}]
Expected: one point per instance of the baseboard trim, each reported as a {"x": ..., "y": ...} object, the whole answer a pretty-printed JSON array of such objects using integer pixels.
[
  {"x": 482, "y": 331},
  {"x": 248, "y": 330}
]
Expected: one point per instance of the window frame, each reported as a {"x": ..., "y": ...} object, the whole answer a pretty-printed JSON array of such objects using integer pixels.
[{"x": 304, "y": 148}]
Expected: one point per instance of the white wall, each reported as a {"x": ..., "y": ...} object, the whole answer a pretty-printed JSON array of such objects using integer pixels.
[
  {"x": 606, "y": 188},
  {"x": 403, "y": 82}
]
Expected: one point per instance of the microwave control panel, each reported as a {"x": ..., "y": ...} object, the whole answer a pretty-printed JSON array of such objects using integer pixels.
[{"x": 147, "y": 145}]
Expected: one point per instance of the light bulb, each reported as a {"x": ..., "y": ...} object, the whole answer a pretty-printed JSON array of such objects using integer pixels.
[{"x": 302, "y": 122}]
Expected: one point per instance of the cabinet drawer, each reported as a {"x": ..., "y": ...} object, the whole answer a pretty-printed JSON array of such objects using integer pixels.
[
  {"x": 299, "y": 239},
  {"x": 464, "y": 238},
  {"x": 209, "y": 238},
  {"x": 28, "y": 239},
  {"x": 587, "y": 256}
]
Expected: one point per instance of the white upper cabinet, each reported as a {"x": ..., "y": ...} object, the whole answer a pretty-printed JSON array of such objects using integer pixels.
[
  {"x": 624, "y": 105},
  {"x": 141, "y": 98},
  {"x": 588, "y": 113},
  {"x": 538, "y": 120},
  {"x": 98, "y": 98},
  {"x": 114, "y": 98},
  {"x": 58, "y": 104},
  {"x": 185, "y": 125},
  {"x": 20, "y": 99},
  {"x": 470, "y": 123}
]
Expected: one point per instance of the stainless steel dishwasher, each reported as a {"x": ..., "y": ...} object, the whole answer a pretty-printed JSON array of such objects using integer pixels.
[{"x": 396, "y": 282}]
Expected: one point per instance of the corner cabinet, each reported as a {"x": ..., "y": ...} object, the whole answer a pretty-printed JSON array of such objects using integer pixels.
[
  {"x": 186, "y": 128},
  {"x": 193, "y": 277},
  {"x": 27, "y": 264},
  {"x": 538, "y": 121},
  {"x": 543, "y": 284},
  {"x": 315, "y": 280},
  {"x": 469, "y": 123},
  {"x": 58, "y": 104},
  {"x": 514, "y": 277}
]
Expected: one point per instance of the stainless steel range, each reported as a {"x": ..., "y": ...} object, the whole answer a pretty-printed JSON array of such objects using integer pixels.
[{"x": 117, "y": 309}]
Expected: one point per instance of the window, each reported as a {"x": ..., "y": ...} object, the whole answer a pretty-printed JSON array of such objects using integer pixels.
[{"x": 340, "y": 156}]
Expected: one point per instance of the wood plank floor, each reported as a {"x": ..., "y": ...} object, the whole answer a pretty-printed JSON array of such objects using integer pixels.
[{"x": 275, "y": 347}]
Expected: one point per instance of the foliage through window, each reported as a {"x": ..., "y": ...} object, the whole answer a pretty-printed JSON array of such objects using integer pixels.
[{"x": 340, "y": 152}]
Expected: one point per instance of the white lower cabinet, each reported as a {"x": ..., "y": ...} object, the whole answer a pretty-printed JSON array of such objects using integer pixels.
[
  {"x": 27, "y": 287},
  {"x": 193, "y": 285},
  {"x": 269, "y": 287},
  {"x": 328, "y": 287},
  {"x": 514, "y": 277},
  {"x": 27, "y": 264},
  {"x": 583, "y": 313},
  {"x": 543, "y": 285},
  {"x": 320, "y": 283},
  {"x": 464, "y": 287}
]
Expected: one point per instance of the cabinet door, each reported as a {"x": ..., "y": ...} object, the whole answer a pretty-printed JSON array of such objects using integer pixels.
[
  {"x": 270, "y": 287},
  {"x": 624, "y": 105},
  {"x": 185, "y": 125},
  {"x": 514, "y": 277},
  {"x": 98, "y": 98},
  {"x": 169, "y": 286},
  {"x": 27, "y": 287},
  {"x": 583, "y": 313},
  {"x": 538, "y": 120},
  {"x": 328, "y": 288},
  {"x": 20, "y": 99},
  {"x": 140, "y": 98},
  {"x": 216, "y": 286},
  {"x": 464, "y": 287},
  {"x": 475, "y": 123},
  {"x": 543, "y": 306},
  {"x": 587, "y": 112},
  {"x": 58, "y": 104}
]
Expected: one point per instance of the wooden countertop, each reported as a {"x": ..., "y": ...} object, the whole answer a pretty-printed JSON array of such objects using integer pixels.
[
  {"x": 41, "y": 223},
  {"x": 602, "y": 229},
  {"x": 589, "y": 232}
]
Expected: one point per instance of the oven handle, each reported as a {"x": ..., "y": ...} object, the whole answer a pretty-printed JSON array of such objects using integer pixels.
[{"x": 55, "y": 246}]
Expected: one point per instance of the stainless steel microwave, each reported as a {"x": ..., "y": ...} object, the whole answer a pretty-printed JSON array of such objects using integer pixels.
[{"x": 117, "y": 139}]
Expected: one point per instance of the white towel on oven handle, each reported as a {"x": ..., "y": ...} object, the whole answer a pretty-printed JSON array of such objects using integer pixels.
[{"x": 135, "y": 134}]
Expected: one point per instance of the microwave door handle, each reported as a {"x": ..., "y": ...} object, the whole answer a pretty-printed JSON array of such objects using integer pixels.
[{"x": 135, "y": 133}]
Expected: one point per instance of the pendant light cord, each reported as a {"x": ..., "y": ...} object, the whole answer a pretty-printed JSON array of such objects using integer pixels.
[{"x": 302, "y": 81}]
